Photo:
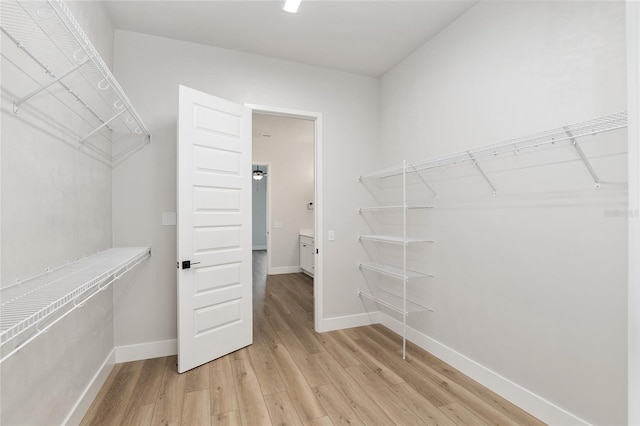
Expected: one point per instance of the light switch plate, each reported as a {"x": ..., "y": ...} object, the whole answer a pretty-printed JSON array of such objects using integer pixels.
[
  {"x": 331, "y": 236},
  {"x": 277, "y": 225},
  {"x": 169, "y": 219}
]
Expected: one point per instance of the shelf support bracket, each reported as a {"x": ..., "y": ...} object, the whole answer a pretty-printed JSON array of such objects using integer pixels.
[
  {"x": 106, "y": 123},
  {"x": 435, "y": 194},
  {"x": 20, "y": 101},
  {"x": 574, "y": 142},
  {"x": 484, "y": 175}
]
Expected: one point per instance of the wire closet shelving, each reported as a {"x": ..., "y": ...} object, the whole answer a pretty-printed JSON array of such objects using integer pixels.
[
  {"x": 401, "y": 302},
  {"x": 48, "y": 33},
  {"x": 30, "y": 307}
]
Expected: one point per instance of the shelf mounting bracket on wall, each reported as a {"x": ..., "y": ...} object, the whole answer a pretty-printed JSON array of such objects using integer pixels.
[
  {"x": 105, "y": 124},
  {"x": 424, "y": 181},
  {"x": 25, "y": 98},
  {"x": 574, "y": 142},
  {"x": 484, "y": 175}
]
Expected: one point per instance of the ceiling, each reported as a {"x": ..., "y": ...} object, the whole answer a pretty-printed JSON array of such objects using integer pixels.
[{"x": 365, "y": 37}]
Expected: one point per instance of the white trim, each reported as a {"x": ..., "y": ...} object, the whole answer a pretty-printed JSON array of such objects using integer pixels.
[
  {"x": 350, "y": 321},
  {"x": 269, "y": 170},
  {"x": 146, "y": 350},
  {"x": 278, "y": 270},
  {"x": 318, "y": 280},
  {"x": 91, "y": 391},
  {"x": 633, "y": 295},
  {"x": 259, "y": 247},
  {"x": 523, "y": 398}
]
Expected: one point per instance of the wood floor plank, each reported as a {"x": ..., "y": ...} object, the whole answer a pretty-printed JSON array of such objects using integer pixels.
[
  {"x": 357, "y": 397},
  {"x": 281, "y": 409},
  {"x": 226, "y": 419},
  {"x": 341, "y": 348},
  {"x": 265, "y": 369},
  {"x": 369, "y": 355},
  {"x": 222, "y": 386},
  {"x": 320, "y": 421},
  {"x": 146, "y": 391},
  {"x": 196, "y": 410},
  {"x": 520, "y": 416},
  {"x": 336, "y": 406},
  {"x": 168, "y": 407},
  {"x": 255, "y": 415},
  {"x": 112, "y": 407},
  {"x": 470, "y": 400},
  {"x": 246, "y": 382},
  {"x": 93, "y": 408},
  {"x": 387, "y": 400},
  {"x": 421, "y": 406},
  {"x": 301, "y": 393},
  {"x": 309, "y": 368},
  {"x": 461, "y": 415},
  {"x": 197, "y": 379},
  {"x": 430, "y": 390}
]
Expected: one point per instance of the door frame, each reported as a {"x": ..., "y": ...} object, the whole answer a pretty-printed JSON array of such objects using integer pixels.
[
  {"x": 268, "y": 212},
  {"x": 318, "y": 278}
]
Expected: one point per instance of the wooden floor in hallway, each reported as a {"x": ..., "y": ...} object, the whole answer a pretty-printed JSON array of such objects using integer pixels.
[{"x": 294, "y": 376}]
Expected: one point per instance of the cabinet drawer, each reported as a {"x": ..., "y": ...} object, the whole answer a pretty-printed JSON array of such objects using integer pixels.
[{"x": 306, "y": 240}]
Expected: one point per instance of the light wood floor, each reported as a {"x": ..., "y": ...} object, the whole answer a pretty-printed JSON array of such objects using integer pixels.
[{"x": 294, "y": 376}]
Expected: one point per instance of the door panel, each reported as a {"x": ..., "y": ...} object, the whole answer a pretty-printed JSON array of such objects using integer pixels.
[{"x": 214, "y": 228}]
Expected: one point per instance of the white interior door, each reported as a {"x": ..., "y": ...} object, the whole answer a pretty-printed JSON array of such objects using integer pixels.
[{"x": 214, "y": 228}]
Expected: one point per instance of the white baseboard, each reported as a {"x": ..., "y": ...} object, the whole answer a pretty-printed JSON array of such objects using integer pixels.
[
  {"x": 91, "y": 391},
  {"x": 146, "y": 350},
  {"x": 523, "y": 398},
  {"x": 259, "y": 247},
  {"x": 284, "y": 270},
  {"x": 349, "y": 321}
]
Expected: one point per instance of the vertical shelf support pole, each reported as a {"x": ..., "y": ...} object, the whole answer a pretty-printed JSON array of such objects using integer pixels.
[
  {"x": 484, "y": 175},
  {"x": 574, "y": 142},
  {"x": 404, "y": 260}
]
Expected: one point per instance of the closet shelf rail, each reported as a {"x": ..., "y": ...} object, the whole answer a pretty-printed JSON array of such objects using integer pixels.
[
  {"x": 395, "y": 302},
  {"x": 514, "y": 146},
  {"x": 27, "y": 307},
  {"x": 50, "y": 35}
]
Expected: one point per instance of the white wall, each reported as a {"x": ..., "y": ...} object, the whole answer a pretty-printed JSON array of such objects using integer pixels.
[
  {"x": 56, "y": 206},
  {"x": 150, "y": 69},
  {"x": 290, "y": 153},
  {"x": 259, "y": 207},
  {"x": 633, "y": 66},
  {"x": 530, "y": 284}
]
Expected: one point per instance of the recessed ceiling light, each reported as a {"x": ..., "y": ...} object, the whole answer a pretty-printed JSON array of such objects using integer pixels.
[{"x": 291, "y": 6}]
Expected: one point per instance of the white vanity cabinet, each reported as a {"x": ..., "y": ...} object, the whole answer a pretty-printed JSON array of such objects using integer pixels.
[{"x": 307, "y": 254}]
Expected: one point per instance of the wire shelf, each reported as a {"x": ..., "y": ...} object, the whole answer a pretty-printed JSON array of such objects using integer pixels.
[
  {"x": 26, "y": 304},
  {"x": 393, "y": 301},
  {"x": 396, "y": 207},
  {"x": 392, "y": 271},
  {"x": 392, "y": 239},
  {"x": 50, "y": 35},
  {"x": 519, "y": 145}
]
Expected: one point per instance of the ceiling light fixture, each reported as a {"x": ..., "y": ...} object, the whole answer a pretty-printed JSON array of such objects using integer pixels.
[
  {"x": 291, "y": 6},
  {"x": 258, "y": 174}
]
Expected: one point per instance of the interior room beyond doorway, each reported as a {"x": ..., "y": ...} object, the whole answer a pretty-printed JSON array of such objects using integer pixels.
[{"x": 283, "y": 154}]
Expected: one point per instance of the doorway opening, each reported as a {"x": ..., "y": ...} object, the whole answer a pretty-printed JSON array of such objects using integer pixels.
[{"x": 287, "y": 143}]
